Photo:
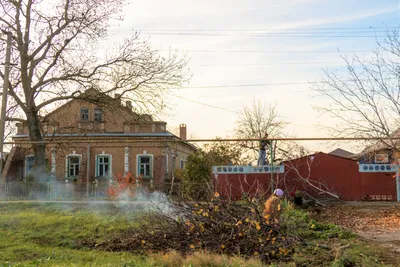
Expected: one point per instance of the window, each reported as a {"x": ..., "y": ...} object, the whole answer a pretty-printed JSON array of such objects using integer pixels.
[
  {"x": 98, "y": 115},
  {"x": 84, "y": 114},
  {"x": 145, "y": 166},
  {"x": 182, "y": 164},
  {"x": 29, "y": 164},
  {"x": 103, "y": 165},
  {"x": 73, "y": 164}
]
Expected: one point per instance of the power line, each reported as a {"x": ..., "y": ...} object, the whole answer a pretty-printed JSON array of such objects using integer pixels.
[
  {"x": 266, "y": 35},
  {"x": 272, "y": 32},
  {"x": 269, "y": 84},
  {"x": 253, "y": 85},
  {"x": 266, "y": 51},
  {"x": 297, "y": 139},
  {"x": 128, "y": 141},
  {"x": 270, "y": 64},
  {"x": 204, "y": 104},
  {"x": 278, "y": 63},
  {"x": 217, "y": 107},
  {"x": 370, "y": 28},
  {"x": 246, "y": 85},
  {"x": 350, "y": 32}
]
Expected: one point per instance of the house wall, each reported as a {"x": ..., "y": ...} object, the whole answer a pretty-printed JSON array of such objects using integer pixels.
[
  {"x": 117, "y": 119},
  {"x": 378, "y": 186},
  {"x": 332, "y": 173},
  {"x": 236, "y": 185},
  {"x": 158, "y": 151}
]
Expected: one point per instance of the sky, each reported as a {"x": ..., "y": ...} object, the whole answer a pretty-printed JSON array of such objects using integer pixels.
[{"x": 272, "y": 49}]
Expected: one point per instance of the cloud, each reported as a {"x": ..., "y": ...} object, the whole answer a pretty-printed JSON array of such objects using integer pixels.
[{"x": 334, "y": 19}]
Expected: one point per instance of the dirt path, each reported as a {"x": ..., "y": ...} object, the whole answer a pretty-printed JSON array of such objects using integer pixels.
[{"x": 379, "y": 221}]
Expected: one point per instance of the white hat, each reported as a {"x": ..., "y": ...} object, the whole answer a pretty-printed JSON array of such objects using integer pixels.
[{"x": 278, "y": 192}]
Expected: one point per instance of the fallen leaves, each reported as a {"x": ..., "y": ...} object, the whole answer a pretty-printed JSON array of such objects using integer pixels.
[{"x": 373, "y": 219}]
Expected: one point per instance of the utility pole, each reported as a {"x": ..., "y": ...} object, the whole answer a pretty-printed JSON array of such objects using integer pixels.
[
  {"x": 4, "y": 101},
  {"x": 271, "y": 147}
]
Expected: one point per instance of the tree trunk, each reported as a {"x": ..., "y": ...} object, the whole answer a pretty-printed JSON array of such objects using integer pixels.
[{"x": 35, "y": 135}]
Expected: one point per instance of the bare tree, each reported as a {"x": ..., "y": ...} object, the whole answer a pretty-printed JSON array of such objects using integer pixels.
[
  {"x": 55, "y": 58},
  {"x": 366, "y": 99},
  {"x": 254, "y": 122},
  {"x": 289, "y": 150}
]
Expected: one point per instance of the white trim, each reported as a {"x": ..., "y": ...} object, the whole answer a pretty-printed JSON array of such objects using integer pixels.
[
  {"x": 151, "y": 164},
  {"x": 96, "y": 170},
  {"x": 66, "y": 163},
  {"x": 126, "y": 159},
  {"x": 53, "y": 162},
  {"x": 27, "y": 156}
]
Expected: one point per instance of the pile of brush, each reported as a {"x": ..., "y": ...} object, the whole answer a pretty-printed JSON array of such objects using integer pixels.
[{"x": 220, "y": 226}]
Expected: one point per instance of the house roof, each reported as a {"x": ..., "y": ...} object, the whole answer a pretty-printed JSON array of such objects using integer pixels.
[
  {"x": 122, "y": 135},
  {"x": 382, "y": 145},
  {"x": 341, "y": 153},
  {"x": 163, "y": 134},
  {"x": 316, "y": 154},
  {"x": 95, "y": 96}
]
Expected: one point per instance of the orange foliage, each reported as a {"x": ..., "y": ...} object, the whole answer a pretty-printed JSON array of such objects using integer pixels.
[{"x": 124, "y": 184}]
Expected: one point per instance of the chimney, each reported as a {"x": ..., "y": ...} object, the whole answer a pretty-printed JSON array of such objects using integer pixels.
[
  {"x": 129, "y": 104},
  {"x": 117, "y": 97},
  {"x": 182, "y": 131}
]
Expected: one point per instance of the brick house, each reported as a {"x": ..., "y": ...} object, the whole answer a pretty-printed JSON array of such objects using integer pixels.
[
  {"x": 381, "y": 151},
  {"x": 88, "y": 141}
]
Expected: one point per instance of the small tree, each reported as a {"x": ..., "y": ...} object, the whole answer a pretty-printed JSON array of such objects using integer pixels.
[
  {"x": 197, "y": 174},
  {"x": 254, "y": 122}
]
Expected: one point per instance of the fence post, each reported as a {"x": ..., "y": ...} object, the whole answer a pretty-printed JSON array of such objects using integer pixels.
[
  {"x": 96, "y": 183},
  {"x": 6, "y": 190},
  {"x": 49, "y": 189}
]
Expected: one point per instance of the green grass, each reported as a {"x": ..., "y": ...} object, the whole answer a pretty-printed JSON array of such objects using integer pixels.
[
  {"x": 51, "y": 234},
  {"x": 48, "y": 234}
]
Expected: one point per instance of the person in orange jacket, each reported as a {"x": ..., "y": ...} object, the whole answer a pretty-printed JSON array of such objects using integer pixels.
[{"x": 272, "y": 205}]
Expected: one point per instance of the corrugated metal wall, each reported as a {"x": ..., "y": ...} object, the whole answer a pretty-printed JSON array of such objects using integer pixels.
[{"x": 324, "y": 171}]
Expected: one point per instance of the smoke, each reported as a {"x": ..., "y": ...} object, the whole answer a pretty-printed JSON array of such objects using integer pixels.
[
  {"x": 143, "y": 201},
  {"x": 95, "y": 196}
]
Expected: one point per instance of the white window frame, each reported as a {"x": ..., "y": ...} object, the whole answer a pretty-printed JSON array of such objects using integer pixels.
[
  {"x": 98, "y": 111},
  {"x": 67, "y": 165},
  {"x": 138, "y": 156},
  {"x": 88, "y": 114},
  {"x": 25, "y": 164},
  {"x": 109, "y": 165}
]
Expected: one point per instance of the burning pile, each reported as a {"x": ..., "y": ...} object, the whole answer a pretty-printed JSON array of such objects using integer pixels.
[{"x": 218, "y": 226}]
